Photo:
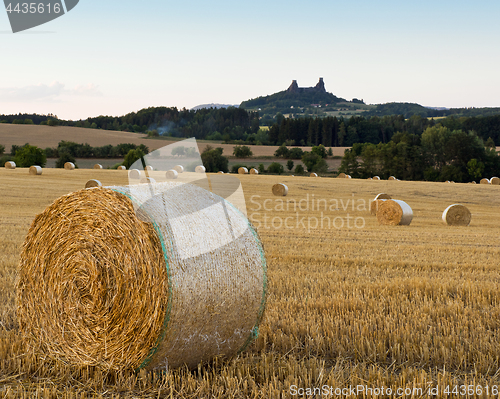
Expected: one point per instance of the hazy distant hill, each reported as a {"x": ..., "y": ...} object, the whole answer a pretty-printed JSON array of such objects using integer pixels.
[{"x": 214, "y": 105}]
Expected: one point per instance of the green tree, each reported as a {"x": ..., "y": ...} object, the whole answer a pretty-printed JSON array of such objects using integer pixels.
[
  {"x": 299, "y": 169},
  {"x": 180, "y": 150},
  {"x": 242, "y": 151},
  {"x": 282, "y": 152},
  {"x": 475, "y": 168},
  {"x": 490, "y": 143},
  {"x": 132, "y": 156},
  {"x": 2, "y": 149},
  {"x": 261, "y": 168},
  {"x": 296, "y": 153},
  {"x": 65, "y": 157},
  {"x": 213, "y": 160},
  {"x": 314, "y": 162},
  {"x": 30, "y": 155},
  {"x": 320, "y": 150},
  {"x": 275, "y": 168},
  {"x": 330, "y": 152},
  {"x": 289, "y": 164}
]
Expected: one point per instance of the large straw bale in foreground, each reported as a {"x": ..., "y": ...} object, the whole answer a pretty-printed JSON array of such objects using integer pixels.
[
  {"x": 394, "y": 212},
  {"x": 10, "y": 165},
  {"x": 280, "y": 189},
  {"x": 180, "y": 284},
  {"x": 35, "y": 170},
  {"x": 456, "y": 215},
  {"x": 374, "y": 205}
]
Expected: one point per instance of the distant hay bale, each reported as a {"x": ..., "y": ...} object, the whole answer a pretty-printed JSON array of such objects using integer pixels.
[
  {"x": 242, "y": 170},
  {"x": 35, "y": 170},
  {"x": 147, "y": 180},
  {"x": 376, "y": 178},
  {"x": 121, "y": 293},
  {"x": 10, "y": 165},
  {"x": 254, "y": 171},
  {"x": 313, "y": 174},
  {"x": 382, "y": 196},
  {"x": 97, "y": 166},
  {"x": 200, "y": 169},
  {"x": 348, "y": 177},
  {"x": 121, "y": 167},
  {"x": 221, "y": 172},
  {"x": 171, "y": 174},
  {"x": 341, "y": 175},
  {"x": 392, "y": 178},
  {"x": 394, "y": 212},
  {"x": 179, "y": 168},
  {"x": 495, "y": 181},
  {"x": 69, "y": 166},
  {"x": 134, "y": 174},
  {"x": 375, "y": 204},
  {"x": 148, "y": 168},
  {"x": 456, "y": 215},
  {"x": 369, "y": 178},
  {"x": 280, "y": 190},
  {"x": 484, "y": 181},
  {"x": 93, "y": 183}
]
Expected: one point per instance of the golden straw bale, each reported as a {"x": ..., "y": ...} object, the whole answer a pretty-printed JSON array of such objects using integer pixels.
[
  {"x": 280, "y": 190},
  {"x": 179, "y": 168},
  {"x": 242, "y": 170},
  {"x": 93, "y": 183},
  {"x": 118, "y": 292},
  {"x": 134, "y": 174},
  {"x": 382, "y": 196},
  {"x": 148, "y": 168},
  {"x": 484, "y": 181},
  {"x": 35, "y": 170},
  {"x": 495, "y": 181},
  {"x": 69, "y": 166},
  {"x": 97, "y": 166},
  {"x": 392, "y": 178},
  {"x": 254, "y": 171},
  {"x": 375, "y": 204},
  {"x": 200, "y": 169},
  {"x": 221, "y": 172},
  {"x": 394, "y": 212},
  {"x": 171, "y": 174},
  {"x": 121, "y": 167},
  {"x": 348, "y": 177},
  {"x": 341, "y": 175},
  {"x": 10, "y": 165},
  {"x": 313, "y": 174},
  {"x": 376, "y": 178},
  {"x": 456, "y": 215}
]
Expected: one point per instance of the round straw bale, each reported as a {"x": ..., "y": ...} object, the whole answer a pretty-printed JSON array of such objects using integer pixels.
[
  {"x": 147, "y": 180},
  {"x": 69, "y": 166},
  {"x": 348, "y": 177},
  {"x": 313, "y": 174},
  {"x": 171, "y": 174},
  {"x": 382, "y": 196},
  {"x": 280, "y": 190},
  {"x": 93, "y": 183},
  {"x": 97, "y": 166},
  {"x": 254, "y": 171},
  {"x": 376, "y": 178},
  {"x": 495, "y": 181},
  {"x": 341, "y": 175},
  {"x": 221, "y": 172},
  {"x": 375, "y": 204},
  {"x": 134, "y": 174},
  {"x": 35, "y": 170},
  {"x": 392, "y": 178},
  {"x": 149, "y": 168},
  {"x": 179, "y": 283},
  {"x": 179, "y": 168},
  {"x": 394, "y": 212},
  {"x": 456, "y": 215},
  {"x": 242, "y": 170},
  {"x": 121, "y": 167},
  {"x": 10, "y": 165},
  {"x": 484, "y": 181},
  {"x": 200, "y": 169}
]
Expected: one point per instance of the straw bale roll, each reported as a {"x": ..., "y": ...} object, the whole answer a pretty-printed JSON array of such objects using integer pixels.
[
  {"x": 348, "y": 177},
  {"x": 178, "y": 282},
  {"x": 200, "y": 169},
  {"x": 495, "y": 181},
  {"x": 220, "y": 172},
  {"x": 35, "y": 170},
  {"x": 456, "y": 215},
  {"x": 376, "y": 178},
  {"x": 10, "y": 165},
  {"x": 280, "y": 189},
  {"x": 313, "y": 174},
  {"x": 69, "y": 166},
  {"x": 484, "y": 181},
  {"x": 254, "y": 171},
  {"x": 134, "y": 174},
  {"x": 341, "y": 175},
  {"x": 242, "y": 170},
  {"x": 394, "y": 212},
  {"x": 179, "y": 168},
  {"x": 121, "y": 167},
  {"x": 392, "y": 178},
  {"x": 148, "y": 168},
  {"x": 382, "y": 196},
  {"x": 171, "y": 174},
  {"x": 93, "y": 183},
  {"x": 97, "y": 166},
  {"x": 375, "y": 204}
]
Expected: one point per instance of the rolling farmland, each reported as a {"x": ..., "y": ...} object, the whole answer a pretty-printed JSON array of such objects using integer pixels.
[{"x": 350, "y": 303}]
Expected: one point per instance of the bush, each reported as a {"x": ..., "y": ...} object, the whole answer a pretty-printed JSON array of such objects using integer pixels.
[
  {"x": 132, "y": 156},
  {"x": 214, "y": 161},
  {"x": 282, "y": 152},
  {"x": 4, "y": 159},
  {"x": 289, "y": 164},
  {"x": 320, "y": 150},
  {"x": 276, "y": 168},
  {"x": 242, "y": 151},
  {"x": 296, "y": 153},
  {"x": 65, "y": 157},
  {"x": 2, "y": 149},
  {"x": 30, "y": 155},
  {"x": 261, "y": 168},
  {"x": 299, "y": 170}
]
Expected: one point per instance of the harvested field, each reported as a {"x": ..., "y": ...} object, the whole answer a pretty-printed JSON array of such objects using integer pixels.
[{"x": 377, "y": 306}]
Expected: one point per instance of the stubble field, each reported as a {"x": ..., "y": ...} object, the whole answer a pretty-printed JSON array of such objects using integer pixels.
[{"x": 352, "y": 305}]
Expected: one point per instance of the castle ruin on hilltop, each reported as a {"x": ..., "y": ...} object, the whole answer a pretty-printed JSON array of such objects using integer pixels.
[{"x": 319, "y": 88}]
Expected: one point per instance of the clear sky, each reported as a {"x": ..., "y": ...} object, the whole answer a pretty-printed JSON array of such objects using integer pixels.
[{"x": 113, "y": 57}]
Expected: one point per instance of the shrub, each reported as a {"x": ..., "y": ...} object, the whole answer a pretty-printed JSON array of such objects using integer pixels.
[
  {"x": 214, "y": 161},
  {"x": 132, "y": 156},
  {"x": 30, "y": 155},
  {"x": 242, "y": 151},
  {"x": 289, "y": 164},
  {"x": 299, "y": 169},
  {"x": 261, "y": 168},
  {"x": 65, "y": 157},
  {"x": 275, "y": 168}
]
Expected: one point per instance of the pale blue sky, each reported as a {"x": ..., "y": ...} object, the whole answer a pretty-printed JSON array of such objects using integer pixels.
[{"x": 115, "y": 57}]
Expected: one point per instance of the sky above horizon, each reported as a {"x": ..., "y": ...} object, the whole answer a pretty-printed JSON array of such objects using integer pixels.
[{"x": 116, "y": 57}]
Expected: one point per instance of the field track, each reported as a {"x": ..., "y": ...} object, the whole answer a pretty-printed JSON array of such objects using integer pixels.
[{"x": 408, "y": 307}]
